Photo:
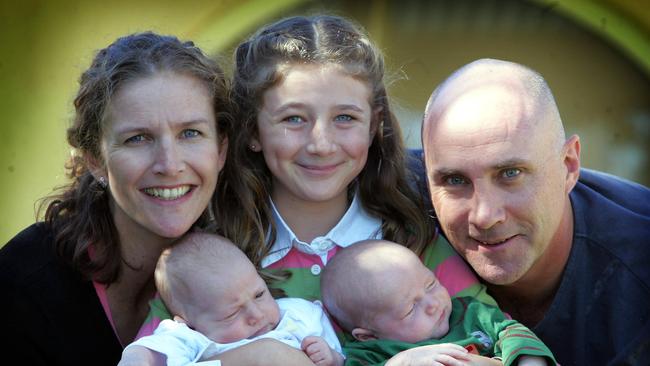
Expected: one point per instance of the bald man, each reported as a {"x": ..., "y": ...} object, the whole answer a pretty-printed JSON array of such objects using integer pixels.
[{"x": 564, "y": 250}]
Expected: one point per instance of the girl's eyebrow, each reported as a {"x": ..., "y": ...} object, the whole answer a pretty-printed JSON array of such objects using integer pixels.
[
  {"x": 353, "y": 107},
  {"x": 287, "y": 106}
]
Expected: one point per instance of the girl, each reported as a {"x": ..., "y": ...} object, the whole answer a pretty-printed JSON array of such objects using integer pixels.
[{"x": 320, "y": 157}]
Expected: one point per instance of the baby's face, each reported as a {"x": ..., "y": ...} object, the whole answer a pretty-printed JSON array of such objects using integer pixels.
[
  {"x": 236, "y": 308},
  {"x": 418, "y": 308}
]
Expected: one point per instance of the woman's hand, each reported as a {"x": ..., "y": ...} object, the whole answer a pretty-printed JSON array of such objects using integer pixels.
[
  {"x": 265, "y": 351},
  {"x": 142, "y": 356}
]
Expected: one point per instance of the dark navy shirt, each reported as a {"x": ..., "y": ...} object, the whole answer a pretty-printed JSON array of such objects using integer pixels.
[{"x": 601, "y": 312}]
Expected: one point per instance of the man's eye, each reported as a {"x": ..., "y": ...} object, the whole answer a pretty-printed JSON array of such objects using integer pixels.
[
  {"x": 259, "y": 294},
  {"x": 455, "y": 180},
  {"x": 511, "y": 172}
]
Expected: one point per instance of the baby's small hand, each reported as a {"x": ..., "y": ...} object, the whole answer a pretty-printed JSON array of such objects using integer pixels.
[
  {"x": 447, "y": 354},
  {"x": 320, "y": 353}
]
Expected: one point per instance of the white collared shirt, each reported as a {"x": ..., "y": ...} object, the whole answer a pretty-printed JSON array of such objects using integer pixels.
[{"x": 357, "y": 224}]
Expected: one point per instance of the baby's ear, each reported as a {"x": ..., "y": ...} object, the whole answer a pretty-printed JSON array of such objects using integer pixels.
[
  {"x": 362, "y": 335},
  {"x": 179, "y": 319}
]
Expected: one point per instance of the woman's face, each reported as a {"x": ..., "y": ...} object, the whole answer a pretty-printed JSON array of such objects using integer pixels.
[
  {"x": 161, "y": 154},
  {"x": 314, "y": 131}
]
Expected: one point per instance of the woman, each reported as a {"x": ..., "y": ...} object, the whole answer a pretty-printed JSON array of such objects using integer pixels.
[{"x": 149, "y": 136}]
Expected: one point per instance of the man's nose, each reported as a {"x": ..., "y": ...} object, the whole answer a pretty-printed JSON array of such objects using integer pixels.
[{"x": 487, "y": 208}]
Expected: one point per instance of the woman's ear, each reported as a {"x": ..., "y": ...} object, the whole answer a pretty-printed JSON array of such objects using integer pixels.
[
  {"x": 362, "y": 334},
  {"x": 96, "y": 168}
]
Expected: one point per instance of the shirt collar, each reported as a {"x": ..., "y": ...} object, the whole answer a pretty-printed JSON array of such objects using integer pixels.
[{"x": 357, "y": 224}]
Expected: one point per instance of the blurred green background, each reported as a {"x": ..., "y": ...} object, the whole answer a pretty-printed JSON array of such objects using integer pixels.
[{"x": 594, "y": 54}]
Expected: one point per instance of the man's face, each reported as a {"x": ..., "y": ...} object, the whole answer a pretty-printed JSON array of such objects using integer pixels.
[{"x": 498, "y": 182}]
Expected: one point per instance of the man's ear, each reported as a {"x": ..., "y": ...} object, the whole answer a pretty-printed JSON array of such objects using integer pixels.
[
  {"x": 362, "y": 334},
  {"x": 572, "y": 161}
]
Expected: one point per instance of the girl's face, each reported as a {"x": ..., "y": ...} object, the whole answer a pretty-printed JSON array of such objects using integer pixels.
[
  {"x": 314, "y": 131},
  {"x": 161, "y": 154}
]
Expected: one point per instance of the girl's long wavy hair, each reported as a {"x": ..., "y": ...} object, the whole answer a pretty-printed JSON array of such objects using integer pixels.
[
  {"x": 79, "y": 212},
  {"x": 260, "y": 63}
]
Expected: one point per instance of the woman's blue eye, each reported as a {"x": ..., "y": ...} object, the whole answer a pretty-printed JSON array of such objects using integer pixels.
[
  {"x": 191, "y": 133},
  {"x": 344, "y": 118},
  {"x": 511, "y": 172},
  {"x": 135, "y": 139}
]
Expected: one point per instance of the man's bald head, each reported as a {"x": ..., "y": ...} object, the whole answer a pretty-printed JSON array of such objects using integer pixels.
[{"x": 486, "y": 77}]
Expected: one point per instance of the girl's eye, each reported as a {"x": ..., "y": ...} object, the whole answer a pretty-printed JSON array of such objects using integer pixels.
[
  {"x": 294, "y": 119},
  {"x": 511, "y": 172},
  {"x": 188, "y": 134},
  {"x": 135, "y": 139},
  {"x": 343, "y": 118}
]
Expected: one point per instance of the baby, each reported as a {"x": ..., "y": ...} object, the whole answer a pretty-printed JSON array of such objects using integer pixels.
[
  {"x": 219, "y": 302},
  {"x": 392, "y": 305}
]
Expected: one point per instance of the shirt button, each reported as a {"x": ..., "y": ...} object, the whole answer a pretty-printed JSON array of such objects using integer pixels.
[
  {"x": 315, "y": 269},
  {"x": 323, "y": 245}
]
